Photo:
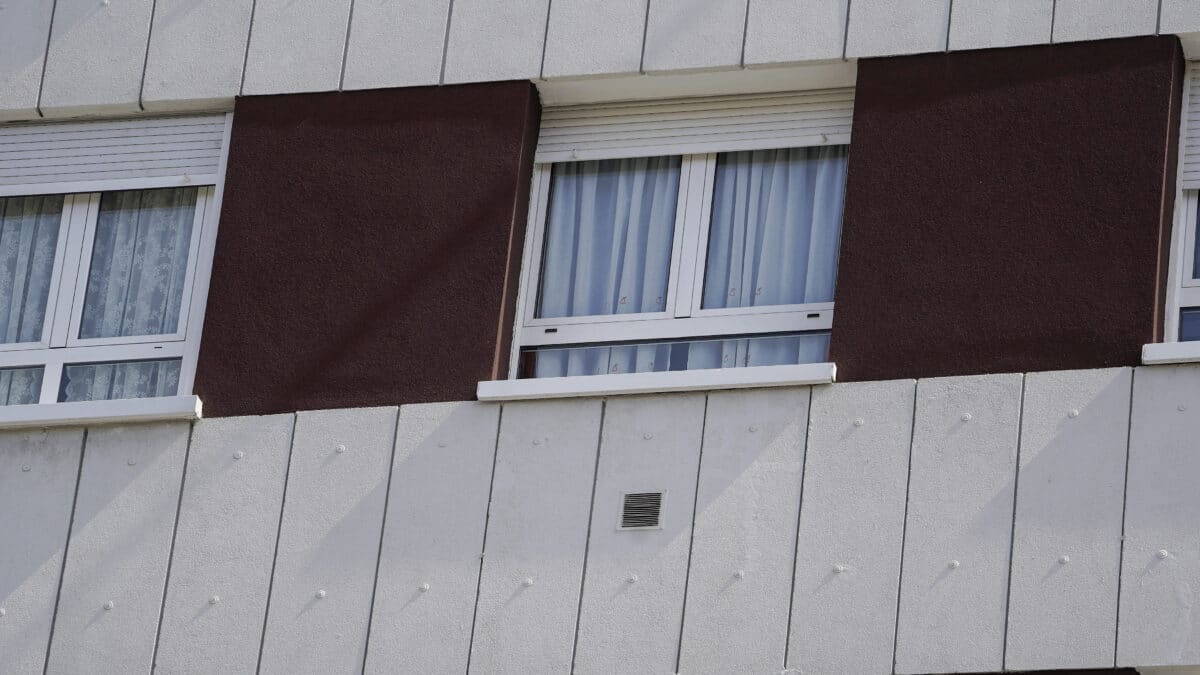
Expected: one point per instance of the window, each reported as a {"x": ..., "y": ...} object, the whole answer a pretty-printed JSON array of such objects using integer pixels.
[
  {"x": 1188, "y": 293},
  {"x": 682, "y": 262},
  {"x": 97, "y": 290}
]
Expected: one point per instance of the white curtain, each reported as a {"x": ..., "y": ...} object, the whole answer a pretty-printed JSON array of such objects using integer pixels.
[
  {"x": 139, "y": 263},
  {"x": 759, "y": 351},
  {"x": 20, "y": 386},
  {"x": 28, "y": 239},
  {"x": 776, "y": 222},
  {"x": 127, "y": 379}
]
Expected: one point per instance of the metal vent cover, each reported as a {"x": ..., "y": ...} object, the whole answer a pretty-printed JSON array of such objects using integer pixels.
[{"x": 641, "y": 510}]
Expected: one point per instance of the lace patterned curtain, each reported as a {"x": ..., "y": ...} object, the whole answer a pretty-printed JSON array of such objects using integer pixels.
[{"x": 28, "y": 240}]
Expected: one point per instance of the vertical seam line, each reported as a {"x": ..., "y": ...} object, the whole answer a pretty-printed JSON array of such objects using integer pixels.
[
  {"x": 949, "y": 24},
  {"x": 687, "y": 572},
  {"x": 446, "y": 42},
  {"x": 742, "y": 59},
  {"x": 1158, "y": 19},
  {"x": 142, "y": 85},
  {"x": 912, "y": 435},
  {"x": 242, "y": 86},
  {"x": 545, "y": 40},
  {"x": 162, "y": 608},
  {"x": 787, "y": 643},
  {"x": 645, "y": 36},
  {"x": 487, "y": 520},
  {"x": 287, "y": 471},
  {"x": 45, "y": 64},
  {"x": 588, "y": 541},
  {"x": 1012, "y": 532},
  {"x": 1124, "y": 508},
  {"x": 846, "y": 32},
  {"x": 387, "y": 498},
  {"x": 341, "y": 85},
  {"x": 62, "y": 572},
  {"x": 1053, "y": 18}
]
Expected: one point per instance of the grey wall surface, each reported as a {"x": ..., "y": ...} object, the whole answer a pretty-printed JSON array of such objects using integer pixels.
[
  {"x": 122, "y": 57},
  {"x": 815, "y": 527}
]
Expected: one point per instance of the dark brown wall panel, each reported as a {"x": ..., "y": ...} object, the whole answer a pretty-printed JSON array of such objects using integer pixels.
[
  {"x": 1007, "y": 210},
  {"x": 368, "y": 247}
]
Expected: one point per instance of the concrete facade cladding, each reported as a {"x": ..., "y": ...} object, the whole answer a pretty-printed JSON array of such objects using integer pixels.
[
  {"x": 71, "y": 57},
  {"x": 970, "y": 524},
  {"x": 1008, "y": 210},
  {"x": 368, "y": 249}
]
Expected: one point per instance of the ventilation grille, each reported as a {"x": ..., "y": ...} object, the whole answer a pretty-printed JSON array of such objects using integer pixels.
[
  {"x": 695, "y": 125},
  {"x": 641, "y": 510},
  {"x": 1190, "y": 177},
  {"x": 75, "y": 152}
]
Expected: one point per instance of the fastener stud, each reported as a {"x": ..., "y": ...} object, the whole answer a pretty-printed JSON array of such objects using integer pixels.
[
  {"x": 1073, "y": 413},
  {"x": 214, "y": 599},
  {"x": 340, "y": 449},
  {"x": 1064, "y": 560},
  {"x": 647, "y": 436},
  {"x": 1163, "y": 554},
  {"x": 25, "y": 468},
  {"x": 131, "y": 462},
  {"x": 321, "y": 594},
  {"x": 954, "y": 564},
  {"x": 423, "y": 587},
  {"x": 839, "y": 568},
  {"x": 966, "y": 417},
  {"x": 633, "y": 579},
  {"x": 528, "y": 582},
  {"x": 109, "y": 605},
  {"x": 239, "y": 454},
  {"x": 740, "y": 574},
  {"x": 753, "y": 429},
  {"x": 858, "y": 421}
]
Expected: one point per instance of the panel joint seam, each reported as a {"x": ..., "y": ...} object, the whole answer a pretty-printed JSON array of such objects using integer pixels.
[
  {"x": 62, "y": 573},
  {"x": 1012, "y": 532},
  {"x": 587, "y": 542},
  {"x": 787, "y": 643},
  {"x": 162, "y": 609},
  {"x": 687, "y": 570},
  {"x": 1124, "y": 506},
  {"x": 287, "y": 474},
  {"x": 342, "y": 73},
  {"x": 142, "y": 92},
  {"x": 446, "y": 42},
  {"x": 487, "y": 520},
  {"x": 45, "y": 64},
  {"x": 912, "y": 435},
  {"x": 387, "y": 497}
]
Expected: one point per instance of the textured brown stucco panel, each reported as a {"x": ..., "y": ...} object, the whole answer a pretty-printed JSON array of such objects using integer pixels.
[
  {"x": 367, "y": 247},
  {"x": 1005, "y": 209}
]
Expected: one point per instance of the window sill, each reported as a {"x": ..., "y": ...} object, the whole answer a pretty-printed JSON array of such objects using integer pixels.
[
  {"x": 656, "y": 383},
  {"x": 1171, "y": 352},
  {"x": 100, "y": 412}
]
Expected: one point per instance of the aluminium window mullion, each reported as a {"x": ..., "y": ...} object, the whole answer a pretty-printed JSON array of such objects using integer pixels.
[
  {"x": 52, "y": 370},
  {"x": 694, "y": 210},
  {"x": 82, "y": 208}
]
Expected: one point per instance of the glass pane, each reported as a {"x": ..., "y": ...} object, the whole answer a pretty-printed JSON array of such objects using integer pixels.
[
  {"x": 608, "y": 237},
  {"x": 124, "y": 379},
  {"x": 28, "y": 240},
  {"x": 139, "y": 263},
  {"x": 1189, "y": 325},
  {"x": 760, "y": 350},
  {"x": 776, "y": 222},
  {"x": 20, "y": 386}
]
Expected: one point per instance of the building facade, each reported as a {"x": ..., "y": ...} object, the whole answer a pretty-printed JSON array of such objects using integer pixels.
[{"x": 637, "y": 336}]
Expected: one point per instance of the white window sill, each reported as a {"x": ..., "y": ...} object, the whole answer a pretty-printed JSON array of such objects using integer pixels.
[
  {"x": 1171, "y": 352},
  {"x": 656, "y": 383},
  {"x": 100, "y": 412}
]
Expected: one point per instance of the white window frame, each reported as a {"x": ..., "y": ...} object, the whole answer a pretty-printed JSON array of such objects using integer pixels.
[
  {"x": 1183, "y": 291},
  {"x": 684, "y": 316},
  {"x": 60, "y": 345}
]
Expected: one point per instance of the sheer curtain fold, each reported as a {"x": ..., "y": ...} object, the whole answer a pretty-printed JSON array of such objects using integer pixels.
[
  {"x": 126, "y": 379},
  {"x": 139, "y": 263},
  {"x": 20, "y": 386},
  {"x": 29, "y": 231}
]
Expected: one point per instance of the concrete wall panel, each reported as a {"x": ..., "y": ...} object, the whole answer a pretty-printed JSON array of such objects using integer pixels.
[
  {"x": 197, "y": 50},
  {"x": 1160, "y": 571},
  {"x": 432, "y": 539},
  {"x": 743, "y": 550},
  {"x": 24, "y": 31},
  {"x": 536, "y": 537},
  {"x": 38, "y": 469},
  {"x": 96, "y": 58},
  {"x": 957, "y": 541},
  {"x": 112, "y": 587},
  {"x": 595, "y": 37},
  {"x": 296, "y": 46},
  {"x": 1067, "y": 536},
  {"x": 225, "y": 545},
  {"x": 779, "y": 31},
  {"x": 851, "y": 528},
  {"x": 496, "y": 40},
  {"x": 1099, "y": 19},
  {"x": 329, "y": 541},
  {"x": 979, "y": 24},
  {"x": 1179, "y": 16},
  {"x": 633, "y": 591},
  {"x": 688, "y": 35},
  {"x": 396, "y": 44},
  {"x": 887, "y": 27}
]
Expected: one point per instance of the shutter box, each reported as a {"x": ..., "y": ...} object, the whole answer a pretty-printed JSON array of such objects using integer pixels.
[{"x": 1189, "y": 176}]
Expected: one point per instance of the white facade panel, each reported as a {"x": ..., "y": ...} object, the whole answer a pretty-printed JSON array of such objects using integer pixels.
[
  {"x": 296, "y": 46},
  {"x": 1179, "y": 16},
  {"x": 38, "y": 469},
  {"x": 96, "y": 57},
  {"x": 1099, "y": 19},
  {"x": 432, "y": 538},
  {"x": 782, "y": 31},
  {"x": 24, "y": 31},
  {"x": 954, "y": 578},
  {"x": 594, "y": 37},
  {"x": 491, "y": 41},
  {"x": 536, "y": 537},
  {"x": 888, "y": 27},
  {"x": 1067, "y": 536},
  {"x": 980, "y": 24},
  {"x": 224, "y": 545},
  {"x": 1160, "y": 572},
  {"x": 116, "y": 568},
  {"x": 689, "y": 35},
  {"x": 633, "y": 591},
  {"x": 197, "y": 50},
  {"x": 851, "y": 528},
  {"x": 396, "y": 43},
  {"x": 329, "y": 541},
  {"x": 748, "y": 498}
]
